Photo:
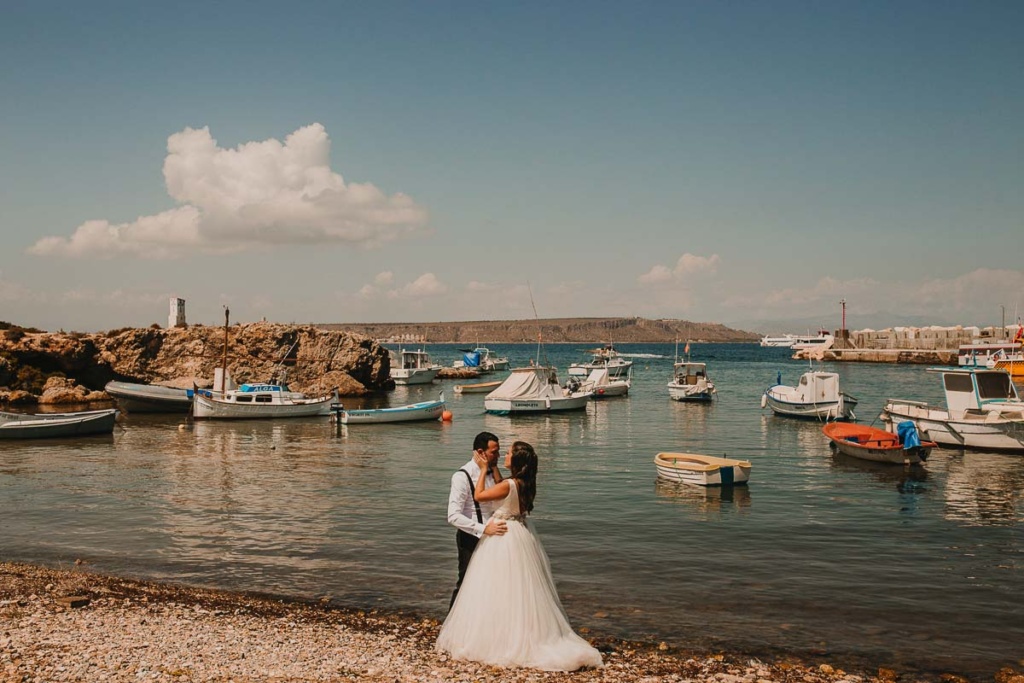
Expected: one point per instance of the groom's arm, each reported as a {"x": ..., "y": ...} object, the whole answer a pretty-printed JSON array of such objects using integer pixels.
[{"x": 457, "y": 496}]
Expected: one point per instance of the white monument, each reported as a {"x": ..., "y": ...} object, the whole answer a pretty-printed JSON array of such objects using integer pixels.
[{"x": 176, "y": 318}]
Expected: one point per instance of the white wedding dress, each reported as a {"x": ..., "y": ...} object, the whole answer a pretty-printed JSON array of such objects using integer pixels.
[{"x": 507, "y": 612}]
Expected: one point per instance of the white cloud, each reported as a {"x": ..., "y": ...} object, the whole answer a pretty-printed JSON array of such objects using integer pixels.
[
  {"x": 687, "y": 265},
  {"x": 257, "y": 195},
  {"x": 423, "y": 287}
]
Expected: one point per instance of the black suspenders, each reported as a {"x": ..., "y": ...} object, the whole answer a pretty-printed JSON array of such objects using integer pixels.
[{"x": 479, "y": 517}]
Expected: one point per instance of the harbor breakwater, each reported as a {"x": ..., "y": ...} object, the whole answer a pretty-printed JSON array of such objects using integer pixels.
[{"x": 73, "y": 367}]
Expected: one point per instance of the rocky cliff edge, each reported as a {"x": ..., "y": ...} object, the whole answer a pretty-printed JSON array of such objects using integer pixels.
[{"x": 49, "y": 367}]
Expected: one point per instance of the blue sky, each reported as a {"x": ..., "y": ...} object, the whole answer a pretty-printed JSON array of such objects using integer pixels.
[{"x": 328, "y": 162}]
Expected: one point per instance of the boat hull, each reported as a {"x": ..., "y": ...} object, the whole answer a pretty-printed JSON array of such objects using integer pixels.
[
  {"x": 57, "y": 425},
  {"x": 977, "y": 431},
  {"x": 481, "y": 388},
  {"x": 415, "y": 412},
  {"x": 689, "y": 392},
  {"x": 611, "y": 390},
  {"x": 825, "y": 410},
  {"x": 701, "y": 470},
  {"x": 416, "y": 376},
  {"x": 147, "y": 398},
  {"x": 501, "y": 406},
  {"x": 216, "y": 408},
  {"x": 875, "y": 445}
]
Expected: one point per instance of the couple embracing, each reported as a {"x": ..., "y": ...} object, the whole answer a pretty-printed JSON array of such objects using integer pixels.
[{"x": 505, "y": 610}]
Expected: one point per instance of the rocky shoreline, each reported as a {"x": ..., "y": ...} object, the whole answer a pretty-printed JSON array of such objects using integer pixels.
[
  {"x": 75, "y": 625},
  {"x": 70, "y": 368}
]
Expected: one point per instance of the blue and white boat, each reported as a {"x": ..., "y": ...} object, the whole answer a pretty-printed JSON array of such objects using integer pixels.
[
  {"x": 259, "y": 401},
  {"x": 414, "y": 412},
  {"x": 816, "y": 396}
]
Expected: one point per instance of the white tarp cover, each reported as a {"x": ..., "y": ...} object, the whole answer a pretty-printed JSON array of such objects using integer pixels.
[
  {"x": 525, "y": 383},
  {"x": 598, "y": 377}
]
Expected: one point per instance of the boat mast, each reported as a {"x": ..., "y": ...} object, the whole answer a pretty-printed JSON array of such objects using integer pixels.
[{"x": 224, "y": 365}]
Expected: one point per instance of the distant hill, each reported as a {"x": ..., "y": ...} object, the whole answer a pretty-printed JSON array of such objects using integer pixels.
[{"x": 591, "y": 330}]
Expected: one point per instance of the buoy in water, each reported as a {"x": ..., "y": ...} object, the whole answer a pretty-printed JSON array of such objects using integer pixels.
[{"x": 446, "y": 416}]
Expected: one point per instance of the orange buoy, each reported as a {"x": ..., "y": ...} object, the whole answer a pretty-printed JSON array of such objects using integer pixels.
[{"x": 446, "y": 416}]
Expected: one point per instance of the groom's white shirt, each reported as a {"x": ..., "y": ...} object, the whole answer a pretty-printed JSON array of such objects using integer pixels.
[{"x": 461, "y": 512}]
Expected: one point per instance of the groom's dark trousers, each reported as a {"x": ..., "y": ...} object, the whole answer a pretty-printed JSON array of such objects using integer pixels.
[{"x": 467, "y": 544}]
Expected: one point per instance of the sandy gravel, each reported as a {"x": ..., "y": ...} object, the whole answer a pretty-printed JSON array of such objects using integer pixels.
[{"x": 140, "y": 631}]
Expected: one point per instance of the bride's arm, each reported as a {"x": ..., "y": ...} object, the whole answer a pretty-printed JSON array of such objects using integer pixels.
[{"x": 481, "y": 493}]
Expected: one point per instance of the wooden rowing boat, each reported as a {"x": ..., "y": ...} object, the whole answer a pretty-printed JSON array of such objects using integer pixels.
[
  {"x": 479, "y": 388},
  {"x": 877, "y": 445},
  {"x": 702, "y": 470}
]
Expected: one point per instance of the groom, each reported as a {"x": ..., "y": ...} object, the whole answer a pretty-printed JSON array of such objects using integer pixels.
[{"x": 467, "y": 515}]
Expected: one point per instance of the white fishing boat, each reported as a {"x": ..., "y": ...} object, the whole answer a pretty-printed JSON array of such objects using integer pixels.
[
  {"x": 56, "y": 425},
  {"x": 149, "y": 398},
  {"x": 414, "y": 412},
  {"x": 482, "y": 359},
  {"x": 259, "y": 401},
  {"x": 983, "y": 411},
  {"x": 783, "y": 342},
  {"x": 702, "y": 470},
  {"x": 816, "y": 396},
  {"x": 690, "y": 382},
  {"x": 605, "y": 357},
  {"x": 534, "y": 390},
  {"x": 478, "y": 388},
  {"x": 601, "y": 384},
  {"x": 605, "y": 386},
  {"x": 414, "y": 368}
]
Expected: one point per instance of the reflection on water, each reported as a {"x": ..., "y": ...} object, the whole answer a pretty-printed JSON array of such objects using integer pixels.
[
  {"x": 704, "y": 500},
  {"x": 870, "y": 560},
  {"x": 985, "y": 489}
]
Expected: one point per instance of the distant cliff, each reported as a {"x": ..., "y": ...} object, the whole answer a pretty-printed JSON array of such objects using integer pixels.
[
  {"x": 590, "y": 330},
  {"x": 67, "y": 367}
]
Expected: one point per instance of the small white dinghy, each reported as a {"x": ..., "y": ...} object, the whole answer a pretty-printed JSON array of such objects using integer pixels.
[{"x": 702, "y": 470}]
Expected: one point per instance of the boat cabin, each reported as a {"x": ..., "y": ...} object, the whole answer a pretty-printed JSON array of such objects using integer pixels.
[
  {"x": 690, "y": 373},
  {"x": 415, "y": 360},
  {"x": 971, "y": 389},
  {"x": 819, "y": 387}
]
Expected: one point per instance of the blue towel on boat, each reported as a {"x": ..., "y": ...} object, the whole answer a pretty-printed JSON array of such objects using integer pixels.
[
  {"x": 907, "y": 432},
  {"x": 471, "y": 359}
]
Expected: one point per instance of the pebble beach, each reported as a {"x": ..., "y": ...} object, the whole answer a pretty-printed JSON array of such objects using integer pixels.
[{"x": 75, "y": 625}]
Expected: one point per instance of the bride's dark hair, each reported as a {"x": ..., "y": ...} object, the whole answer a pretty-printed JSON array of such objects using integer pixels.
[{"x": 523, "y": 469}]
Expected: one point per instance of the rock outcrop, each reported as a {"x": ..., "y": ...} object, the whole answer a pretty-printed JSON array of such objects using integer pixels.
[{"x": 71, "y": 367}]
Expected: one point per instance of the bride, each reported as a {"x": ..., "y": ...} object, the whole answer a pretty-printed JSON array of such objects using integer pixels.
[{"x": 507, "y": 612}]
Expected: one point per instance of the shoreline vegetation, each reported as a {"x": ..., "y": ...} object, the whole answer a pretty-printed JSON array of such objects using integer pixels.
[{"x": 76, "y": 625}]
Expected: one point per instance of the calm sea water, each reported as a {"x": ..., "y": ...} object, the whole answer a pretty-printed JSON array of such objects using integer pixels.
[{"x": 821, "y": 555}]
